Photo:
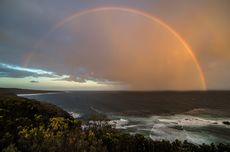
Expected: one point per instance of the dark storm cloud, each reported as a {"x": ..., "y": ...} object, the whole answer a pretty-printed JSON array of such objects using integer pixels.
[
  {"x": 25, "y": 22},
  {"x": 72, "y": 78},
  {"x": 34, "y": 81},
  {"x": 14, "y": 73},
  {"x": 84, "y": 79}
]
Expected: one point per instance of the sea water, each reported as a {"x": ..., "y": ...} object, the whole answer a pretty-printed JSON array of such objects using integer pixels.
[{"x": 193, "y": 116}]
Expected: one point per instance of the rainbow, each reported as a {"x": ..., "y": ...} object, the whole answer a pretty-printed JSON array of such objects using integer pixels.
[{"x": 137, "y": 12}]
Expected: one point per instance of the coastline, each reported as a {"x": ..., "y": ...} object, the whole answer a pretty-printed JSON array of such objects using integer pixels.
[
  {"x": 35, "y": 94},
  {"x": 186, "y": 125}
]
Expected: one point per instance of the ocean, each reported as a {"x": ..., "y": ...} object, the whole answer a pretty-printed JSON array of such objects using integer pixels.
[{"x": 198, "y": 117}]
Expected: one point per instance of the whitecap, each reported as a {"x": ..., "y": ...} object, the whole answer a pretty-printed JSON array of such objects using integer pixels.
[{"x": 75, "y": 115}]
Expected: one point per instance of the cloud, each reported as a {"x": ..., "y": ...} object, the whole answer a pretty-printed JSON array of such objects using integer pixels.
[
  {"x": 13, "y": 71},
  {"x": 34, "y": 81},
  {"x": 85, "y": 78},
  {"x": 72, "y": 79},
  {"x": 8, "y": 70}
]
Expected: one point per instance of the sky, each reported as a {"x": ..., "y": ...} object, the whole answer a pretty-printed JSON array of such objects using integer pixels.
[{"x": 115, "y": 44}]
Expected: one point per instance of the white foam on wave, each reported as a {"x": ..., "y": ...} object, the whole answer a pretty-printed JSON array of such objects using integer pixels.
[
  {"x": 181, "y": 127},
  {"x": 75, "y": 115},
  {"x": 173, "y": 127},
  {"x": 186, "y": 120},
  {"x": 119, "y": 124}
]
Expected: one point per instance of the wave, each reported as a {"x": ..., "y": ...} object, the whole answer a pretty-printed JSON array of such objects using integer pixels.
[
  {"x": 75, "y": 115},
  {"x": 119, "y": 124},
  {"x": 186, "y": 120},
  {"x": 207, "y": 111},
  {"x": 182, "y": 127},
  {"x": 96, "y": 110}
]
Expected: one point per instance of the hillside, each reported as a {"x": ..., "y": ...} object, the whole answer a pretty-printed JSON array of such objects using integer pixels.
[
  {"x": 16, "y": 112},
  {"x": 22, "y": 91}
]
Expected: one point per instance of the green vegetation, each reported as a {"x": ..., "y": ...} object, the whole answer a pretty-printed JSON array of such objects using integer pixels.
[{"x": 29, "y": 125}]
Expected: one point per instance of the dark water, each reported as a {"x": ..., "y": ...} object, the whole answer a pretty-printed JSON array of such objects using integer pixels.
[{"x": 193, "y": 116}]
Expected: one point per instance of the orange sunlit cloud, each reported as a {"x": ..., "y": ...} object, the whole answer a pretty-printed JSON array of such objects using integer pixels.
[{"x": 140, "y": 53}]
